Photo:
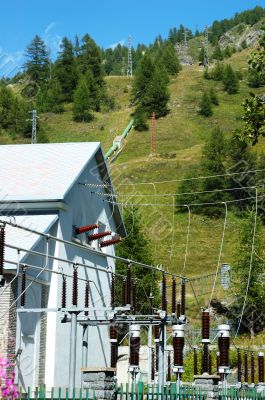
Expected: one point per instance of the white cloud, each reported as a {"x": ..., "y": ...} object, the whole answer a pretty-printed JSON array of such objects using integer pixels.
[{"x": 121, "y": 42}]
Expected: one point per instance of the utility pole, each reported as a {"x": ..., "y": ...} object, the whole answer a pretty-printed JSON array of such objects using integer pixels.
[
  {"x": 34, "y": 126},
  {"x": 129, "y": 67}
]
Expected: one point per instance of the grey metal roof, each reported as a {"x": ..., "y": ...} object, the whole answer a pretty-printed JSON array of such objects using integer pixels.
[{"x": 33, "y": 172}]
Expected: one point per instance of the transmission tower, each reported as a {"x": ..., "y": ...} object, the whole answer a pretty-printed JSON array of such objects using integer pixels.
[
  {"x": 153, "y": 135},
  {"x": 129, "y": 67},
  {"x": 34, "y": 126},
  {"x": 206, "y": 47}
]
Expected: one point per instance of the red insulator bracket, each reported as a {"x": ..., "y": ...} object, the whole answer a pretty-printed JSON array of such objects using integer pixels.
[
  {"x": 64, "y": 292},
  {"x": 86, "y": 228},
  {"x": 75, "y": 287},
  {"x": 2, "y": 249},
  {"x": 109, "y": 242},
  {"x": 87, "y": 292},
  {"x": 23, "y": 287},
  {"x": 98, "y": 235}
]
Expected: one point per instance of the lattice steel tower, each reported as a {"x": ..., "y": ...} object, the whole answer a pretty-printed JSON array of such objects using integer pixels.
[
  {"x": 129, "y": 67},
  {"x": 34, "y": 126},
  {"x": 206, "y": 47}
]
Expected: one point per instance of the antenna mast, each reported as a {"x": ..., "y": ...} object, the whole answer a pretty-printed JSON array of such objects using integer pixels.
[
  {"x": 34, "y": 126},
  {"x": 129, "y": 67}
]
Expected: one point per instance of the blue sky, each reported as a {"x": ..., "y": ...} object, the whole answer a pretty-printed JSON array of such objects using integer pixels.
[{"x": 107, "y": 21}]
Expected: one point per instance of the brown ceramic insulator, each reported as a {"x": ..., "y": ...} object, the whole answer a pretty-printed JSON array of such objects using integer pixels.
[
  {"x": 23, "y": 288},
  {"x": 64, "y": 292},
  {"x": 98, "y": 235},
  {"x": 86, "y": 228},
  {"x": 246, "y": 366},
  {"x": 128, "y": 286},
  {"x": 205, "y": 324},
  {"x": 174, "y": 293},
  {"x": 134, "y": 301},
  {"x": 217, "y": 362},
  {"x": 123, "y": 293},
  {"x": 178, "y": 346},
  {"x": 87, "y": 292},
  {"x": 2, "y": 249},
  {"x": 224, "y": 343},
  {"x": 252, "y": 368},
  {"x": 110, "y": 242},
  {"x": 157, "y": 357},
  {"x": 164, "y": 293},
  {"x": 75, "y": 287},
  {"x": 195, "y": 362},
  {"x": 239, "y": 366},
  {"x": 153, "y": 365},
  {"x": 168, "y": 367},
  {"x": 261, "y": 368},
  {"x": 113, "y": 333},
  {"x": 210, "y": 362},
  {"x": 134, "y": 350},
  {"x": 205, "y": 358},
  {"x": 114, "y": 355},
  {"x": 112, "y": 300},
  {"x": 157, "y": 332},
  {"x": 183, "y": 297},
  {"x": 178, "y": 309}
]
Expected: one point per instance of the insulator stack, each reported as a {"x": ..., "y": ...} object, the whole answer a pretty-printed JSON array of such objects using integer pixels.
[
  {"x": 164, "y": 293},
  {"x": 109, "y": 242},
  {"x": 153, "y": 367},
  {"x": 195, "y": 361},
  {"x": 217, "y": 361},
  {"x": 252, "y": 368},
  {"x": 174, "y": 293},
  {"x": 157, "y": 357},
  {"x": 157, "y": 333},
  {"x": 168, "y": 367},
  {"x": 134, "y": 345},
  {"x": 205, "y": 359},
  {"x": 224, "y": 344},
  {"x": 86, "y": 228},
  {"x": 128, "y": 286},
  {"x": 87, "y": 292},
  {"x": 246, "y": 367},
  {"x": 178, "y": 346},
  {"x": 114, "y": 346},
  {"x": 261, "y": 367},
  {"x": 134, "y": 302},
  {"x": 178, "y": 309},
  {"x": 210, "y": 362},
  {"x": 75, "y": 287},
  {"x": 183, "y": 297},
  {"x": 239, "y": 366},
  {"x": 23, "y": 287},
  {"x": 205, "y": 326},
  {"x": 98, "y": 235},
  {"x": 2, "y": 250},
  {"x": 64, "y": 292},
  {"x": 112, "y": 302},
  {"x": 123, "y": 293}
]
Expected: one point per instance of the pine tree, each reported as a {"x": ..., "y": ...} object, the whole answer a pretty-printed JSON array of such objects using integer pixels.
[
  {"x": 89, "y": 59},
  {"x": 168, "y": 57},
  {"x": 217, "y": 54},
  {"x": 84, "y": 100},
  {"x": 66, "y": 70},
  {"x": 213, "y": 96},
  {"x": 135, "y": 246},
  {"x": 230, "y": 80},
  {"x": 50, "y": 97},
  {"x": 6, "y": 103},
  {"x": 206, "y": 105},
  {"x": 37, "y": 64}
]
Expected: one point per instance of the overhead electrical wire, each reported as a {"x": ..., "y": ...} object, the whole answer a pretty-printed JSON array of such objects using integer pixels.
[{"x": 187, "y": 240}]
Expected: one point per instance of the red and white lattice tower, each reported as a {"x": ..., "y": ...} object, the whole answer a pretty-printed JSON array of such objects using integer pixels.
[{"x": 153, "y": 135}]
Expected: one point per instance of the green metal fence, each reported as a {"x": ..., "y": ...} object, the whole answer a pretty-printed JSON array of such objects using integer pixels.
[
  {"x": 233, "y": 393},
  {"x": 41, "y": 393}
]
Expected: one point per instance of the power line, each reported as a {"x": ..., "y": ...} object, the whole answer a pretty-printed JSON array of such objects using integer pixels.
[{"x": 176, "y": 180}]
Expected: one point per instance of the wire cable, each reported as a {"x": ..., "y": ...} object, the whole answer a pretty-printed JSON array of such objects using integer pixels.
[
  {"x": 220, "y": 254},
  {"x": 187, "y": 240},
  {"x": 250, "y": 264}
]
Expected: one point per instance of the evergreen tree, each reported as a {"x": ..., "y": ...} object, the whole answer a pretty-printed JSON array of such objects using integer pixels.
[
  {"x": 217, "y": 54},
  {"x": 37, "y": 64},
  {"x": 89, "y": 59},
  {"x": 6, "y": 103},
  {"x": 206, "y": 105},
  {"x": 202, "y": 55},
  {"x": 168, "y": 57},
  {"x": 253, "y": 320},
  {"x": 82, "y": 108},
  {"x": 255, "y": 79},
  {"x": 135, "y": 246},
  {"x": 217, "y": 72},
  {"x": 140, "y": 120},
  {"x": 230, "y": 80},
  {"x": 66, "y": 69},
  {"x": 213, "y": 96},
  {"x": 50, "y": 97},
  {"x": 227, "y": 52}
]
